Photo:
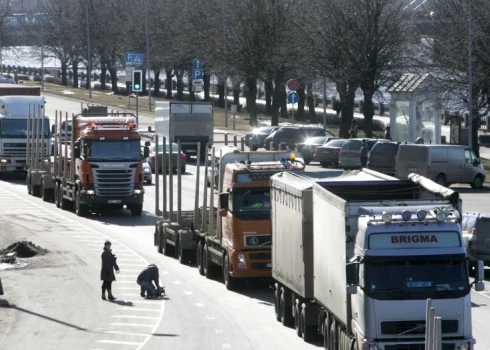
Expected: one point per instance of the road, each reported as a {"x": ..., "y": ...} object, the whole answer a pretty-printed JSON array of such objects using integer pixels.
[{"x": 57, "y": 300}]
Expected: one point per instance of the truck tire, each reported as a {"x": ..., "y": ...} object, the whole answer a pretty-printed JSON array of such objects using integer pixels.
[
  {"x": 441, "y": 180},
  {"x": 297, "y": 317},
  {"x": 229, "y": 281},
  {"x": 326, "y": 333},
  {"x": 207, "y": 265},
  {"x": 57, "y": 201},
  {"x": 65, "y": 203},
  {"x": 286, "y": 311},
  {"x": 29, "y": 186},
  {"x": 158, "y": 237},
  {"x": 80, "y": 208},
  {"x": 168, "y": 250},
  {"x": 277, "y": 302},
  {"x": 45, "y": 193},
  {"x": 181, "y": 254},
  {"x": 332, "y": 335},
  {"x": 345, "y": 341},
  {"x": 199, "y": 255},
  {"x": 309, "y": 333},
  {"x": 136, "y": 209}
]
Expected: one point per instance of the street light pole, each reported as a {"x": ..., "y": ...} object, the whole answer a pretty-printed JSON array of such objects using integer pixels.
[
  {"x": 89, "y": 59},
  {"x": 148, "y": 54},
  {"x": 470, "y": 76},
  {"x": 224, "y": 62},
  {"x": 42, "y": 53}
]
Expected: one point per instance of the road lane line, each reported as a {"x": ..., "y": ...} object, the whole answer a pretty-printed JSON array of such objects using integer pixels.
[
  {"x": 218, "y": 331},
  {"x": 177, "y": 282},
  {"x": 118, "y": 342},
  {"x": 210, "y": 317},
  {"x": 199, "y": 304},
  {"x": 130, "y": 325},
  {"x": 138, "y": 317},
  {"x": 188, "y": 293},
  {"x": 137, "y": 309},
  {"x": 127, "y": 333}
]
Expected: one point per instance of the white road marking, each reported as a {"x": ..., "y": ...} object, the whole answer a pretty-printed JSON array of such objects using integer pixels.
[
  {"x": 139, "y": 317},
  {"x": 130, "y": 325},
  {"x": 218, "y": 330},
  {"x": 177, "y": 282},
  {"x": 136, "y": 309},
  {"x": 129, "y": 276},
  {"x": 128, "y": 294},
  {"x": 118, "y": 342},
  {"x": 127, "y": 333},
  {"x": 133, "y": 265},
  {"x": 210, "y": 317},
  {"x": 165, "y": 273},
  {"x": 199, "y": 304},
  {"x": 188, "y": 293},
  {"x": 124, "y": 259},
  {"x": 132, "y": 282},
  {"x": 226, "y": 346}
]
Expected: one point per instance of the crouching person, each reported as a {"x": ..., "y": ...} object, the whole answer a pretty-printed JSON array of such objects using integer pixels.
[{"x": 146, "y": 279}]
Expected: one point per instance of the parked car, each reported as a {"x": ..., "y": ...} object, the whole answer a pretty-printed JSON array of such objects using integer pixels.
[
  {"x": 291, "y": 136},
  {"x": 350, "y": 153},
  {"x": 307, "y": 148},
  {"x": 6, "y": 80},
  {"x": 444, "y": 164},
  {"x": 382, "y": 157},
  {"x": 147, "y": 172},
  {"x": 328, "y": 153},
  {"x": 476, "y": 235},
  {"x": 175, "y": 151},
  {"x": 255, "y": 139},
  {"x": 214, "y": 160}
]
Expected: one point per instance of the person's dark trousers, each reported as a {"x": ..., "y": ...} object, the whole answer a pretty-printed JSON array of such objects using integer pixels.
[
  {"x": 107, "y": 285},
  {"x": 363, "y": 162}
]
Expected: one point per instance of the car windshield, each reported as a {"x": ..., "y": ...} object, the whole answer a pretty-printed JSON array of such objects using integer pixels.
[
  {"x": 264, "y": 130},
  {"x": 113, "y": 150},
  {"x": 255, "y": 201},
  {"x": 416, "y": 279},
  {"x": 335, "y": 143},
  {"x": 17, "y": 128}
]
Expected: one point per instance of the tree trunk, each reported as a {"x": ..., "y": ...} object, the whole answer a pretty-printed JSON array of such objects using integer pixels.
[
  {"x": 180, "y": 85},
  {"x": 347, "y": 93},
  {"x": 276, "y": 98},
  {"x": 368, "y": 112},
  {"x": 192, "y": 95},
  {"x": 283, "y": 100},
  {"x": 113, "y": 73},
  {"x": 64, "y": 68},
  {"x": 311, "y": 103},
  {"x": 75, "y": 74},
  {"x": 206, "y": 81},
  {"x": 236, "y": 94},
  {"x": 88, "y": 79},
  {"x": 475, "y": 126},
  {"x": 300, "y": 115},
  {"x": 158, "y": 84},
  {"x": 251, "y": 86},
  {"x": 103, "y": 70},
  {"x": 269, "y": 90},
  {"x": 145, "y": 81},
  {"x": 221, "y": 93},
  {"x": 168, "y": 81}
]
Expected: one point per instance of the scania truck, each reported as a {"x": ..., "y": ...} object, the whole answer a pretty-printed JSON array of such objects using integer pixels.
[
  {"x": 235, "y": 243},
  {"x": 357, "y": 254},
  {"x": 101, "y": 166}
]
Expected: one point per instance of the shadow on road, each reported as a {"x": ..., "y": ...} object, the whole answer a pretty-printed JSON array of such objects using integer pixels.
[
  {"x": 47, "y": 318},
  {"x": 469, "y": 190}
]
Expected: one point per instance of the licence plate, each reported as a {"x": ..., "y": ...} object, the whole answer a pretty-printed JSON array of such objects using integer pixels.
[
  {"x": 412, "y": 169},
  {"x": 114, "y": 201},
  {"x": 269, "y": 265}
]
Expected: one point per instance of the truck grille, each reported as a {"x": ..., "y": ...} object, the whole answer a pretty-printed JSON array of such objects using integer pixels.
[
  {"x": 114, "y": 183},
  {"x": 257, "y": 241},
  {"x": 261, "y": 266},
  {"x": 397, "y": 327},
  {"x": 260, "y": 256},
  {"x": 417, "y": 347},
  {"x": 18, "y": 149}
]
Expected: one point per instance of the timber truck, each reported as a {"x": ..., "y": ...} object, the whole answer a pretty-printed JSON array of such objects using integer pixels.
[
  {"x": 101, "y": 166},
  {"x": 359, "y": 253},
  {"x": 191, "y": 123},
  {"x": 14, "y": 111},
  {"x": 234, "y": 241}
]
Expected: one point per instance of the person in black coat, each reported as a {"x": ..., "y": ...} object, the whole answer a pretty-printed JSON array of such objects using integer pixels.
[{"x": 107, "y": 271}]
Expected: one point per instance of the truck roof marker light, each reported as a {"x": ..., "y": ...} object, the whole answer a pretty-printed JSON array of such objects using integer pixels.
[
  {"x": 386, "y": 217},
  {"x": 441, "y": 216},
  {"x": 93, "y": 126},
  {"x": 292, "y": 157},
  {"x": 130, "y": 126},
  {"x": 421, "y": 214},
  {"x": 406, "y": 215}
]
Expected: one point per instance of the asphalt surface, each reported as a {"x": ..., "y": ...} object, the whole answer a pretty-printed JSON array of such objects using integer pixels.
[{"x": 57, "y": 302}]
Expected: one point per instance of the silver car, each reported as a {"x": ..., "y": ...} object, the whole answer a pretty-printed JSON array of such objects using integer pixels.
[
  {"x": 147, "y": 177},
  {"x": 350, "y": 153}
]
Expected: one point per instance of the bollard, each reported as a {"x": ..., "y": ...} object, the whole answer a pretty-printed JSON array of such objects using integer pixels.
[
  {"x": 164, "y": 182},
  {"x": 427, "y": 320},
  {"x": 431, "y": 328},
  {"x": 170, "y": 179},
  {"x": 437, "y": 339},
  {"x": 1, "y": 287},
  {"x": 235, "y": 140},
  {"x": 226, "y": 139},
  {"x": 179, "y": 182},
  {"x": 242, "y": 143},
  {"x": 157, "y": 177}
]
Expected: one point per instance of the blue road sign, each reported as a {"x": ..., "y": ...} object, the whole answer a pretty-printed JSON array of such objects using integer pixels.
[
  {"x": 197, "y": 74},
  {"x": 293, "y": 97},
  {"x": 134, "y": 59},
  {"x": 197, "y": 63}
]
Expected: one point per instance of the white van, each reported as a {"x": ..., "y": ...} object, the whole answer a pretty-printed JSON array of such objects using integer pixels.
[{"x": 444, "y": 164}]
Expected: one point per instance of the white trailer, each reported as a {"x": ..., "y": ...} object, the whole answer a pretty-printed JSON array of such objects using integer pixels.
[
  {"x": 379, "y": 248},
  {"x": 191, "y": 123}
]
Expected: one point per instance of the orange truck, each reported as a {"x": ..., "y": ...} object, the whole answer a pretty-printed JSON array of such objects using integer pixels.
[
  {"x": 101, "y": 166},
  {"x": 234, "y": 239}
]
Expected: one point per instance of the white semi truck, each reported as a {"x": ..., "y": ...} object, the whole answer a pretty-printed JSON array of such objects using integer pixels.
[
  {"x": 191, "y": 123},
  {"x": 14, "y": 113},
  {"x": 357, "y": 255}
]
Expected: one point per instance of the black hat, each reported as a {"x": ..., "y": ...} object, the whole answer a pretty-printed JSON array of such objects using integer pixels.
[{"x": 107, "y": 242}]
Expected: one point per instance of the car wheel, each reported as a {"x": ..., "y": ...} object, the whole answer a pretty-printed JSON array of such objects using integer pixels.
[
  {"x": 477, "y": 182},
  {"x": 441, "y": 179}
]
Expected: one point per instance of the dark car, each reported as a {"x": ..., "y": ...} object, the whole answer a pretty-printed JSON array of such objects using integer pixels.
[
  {"x": 308, "y": 147},
  {"x": 350, "y": 153},
  {"x": 291, "y": 136},
  {"x": 476, "y": 236},
  {"x": 328, "y": 153},
  {"x": 255, "y": 139},
  {"x": 382, "y": 157}
]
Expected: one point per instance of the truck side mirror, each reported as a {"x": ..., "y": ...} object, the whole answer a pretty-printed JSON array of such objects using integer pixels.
[
  {"x": 76, "y": 149},
  {"x": 146, "y": 151},
  {"x": 52, "y": 129},
  {"x": 223, "y": 200},
  {"x": 147, "y": 144},
  {"x": 352, "y": 273}
]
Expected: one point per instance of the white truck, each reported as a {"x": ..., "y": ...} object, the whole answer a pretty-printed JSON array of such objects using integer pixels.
[
  {"x": 190, "y": 123},
  {"x": 14, "y": 113},
  {"x": 363, "y": 253}
]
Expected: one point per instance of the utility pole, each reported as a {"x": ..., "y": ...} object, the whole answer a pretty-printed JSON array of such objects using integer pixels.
[
  {"x": 89, "y": 59},
  {"x": 148, "y": 55},
  {"x": 470, "y": 75},
  {"x": 224, "y": 62}
]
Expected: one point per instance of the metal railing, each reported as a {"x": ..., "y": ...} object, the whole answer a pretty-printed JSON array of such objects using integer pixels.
[{"x": 433, "y": 329}]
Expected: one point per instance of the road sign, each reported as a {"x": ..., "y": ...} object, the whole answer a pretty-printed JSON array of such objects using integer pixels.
[
  {"x": 294, "y": 84},
  {"x": 197, "y": 63},
  {"x": 196, "y": 88},
  {"x": 134, "y": 59},
  {"x": 197, "y": 82},
  {"x": 197, "y": 74},
  {"x": 129, "y": 74},
  {"x": 293, "y": 97}
]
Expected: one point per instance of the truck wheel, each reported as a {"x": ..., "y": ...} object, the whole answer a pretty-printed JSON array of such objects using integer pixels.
[
  {"x": 441, "y": 179},
  {"x": 158, "y": 238},
  {"x": 57, "y": 195},
  {"x": 230, "y": 281},
  {"x": 477, "y": 182},
  {"x": 168, "y": 250},
  {"x": 45, "y": 193},
  {"x": 148, "y": 182},
  {"x": 308, "y": 332},
  {"x": 326, "y": 334},
  {"x": 29, "y": 186},
  {"x": 136, "y": 209},
  {"x": 277, "y": 302},
  {"x": 207, "y": 265},
  {"x": 332, "y": 336},
  {"x": 80, "y": 208},
  {"x": 199, "y": 261},
  {"x": 65, "y": 203},
  {"x": 182, "y": 254},
  {"x": 286, "y": 311},
  {"x": 297, "y": 318}
]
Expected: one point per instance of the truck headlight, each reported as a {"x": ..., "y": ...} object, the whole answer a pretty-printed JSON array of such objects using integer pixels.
[
  {"x": 242, "y": 264},
  {"x": 369, "y": 346},
  {"x": 146, "y": 170},
  {"x": 465, "y": 346},
  {"x": 137, "y": 191},
  {"x": 3, "y": 160},
  {"x": 46, "y": 160},
  {"x": 90, "y": 192}
]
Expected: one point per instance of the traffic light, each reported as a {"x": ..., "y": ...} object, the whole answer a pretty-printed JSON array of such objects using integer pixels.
[{"x": 137, "y": 80}]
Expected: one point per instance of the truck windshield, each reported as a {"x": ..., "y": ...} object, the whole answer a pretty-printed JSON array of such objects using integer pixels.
[
  {"x": 252, "y": 203},
  {"x": 113, "y": 150},
  {"x": 416, "y": 279},
  {"x": 17, "y": 128}
]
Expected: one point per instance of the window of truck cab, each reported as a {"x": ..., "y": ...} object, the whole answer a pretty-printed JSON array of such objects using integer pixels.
[{"x": 111, "y": 150}]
